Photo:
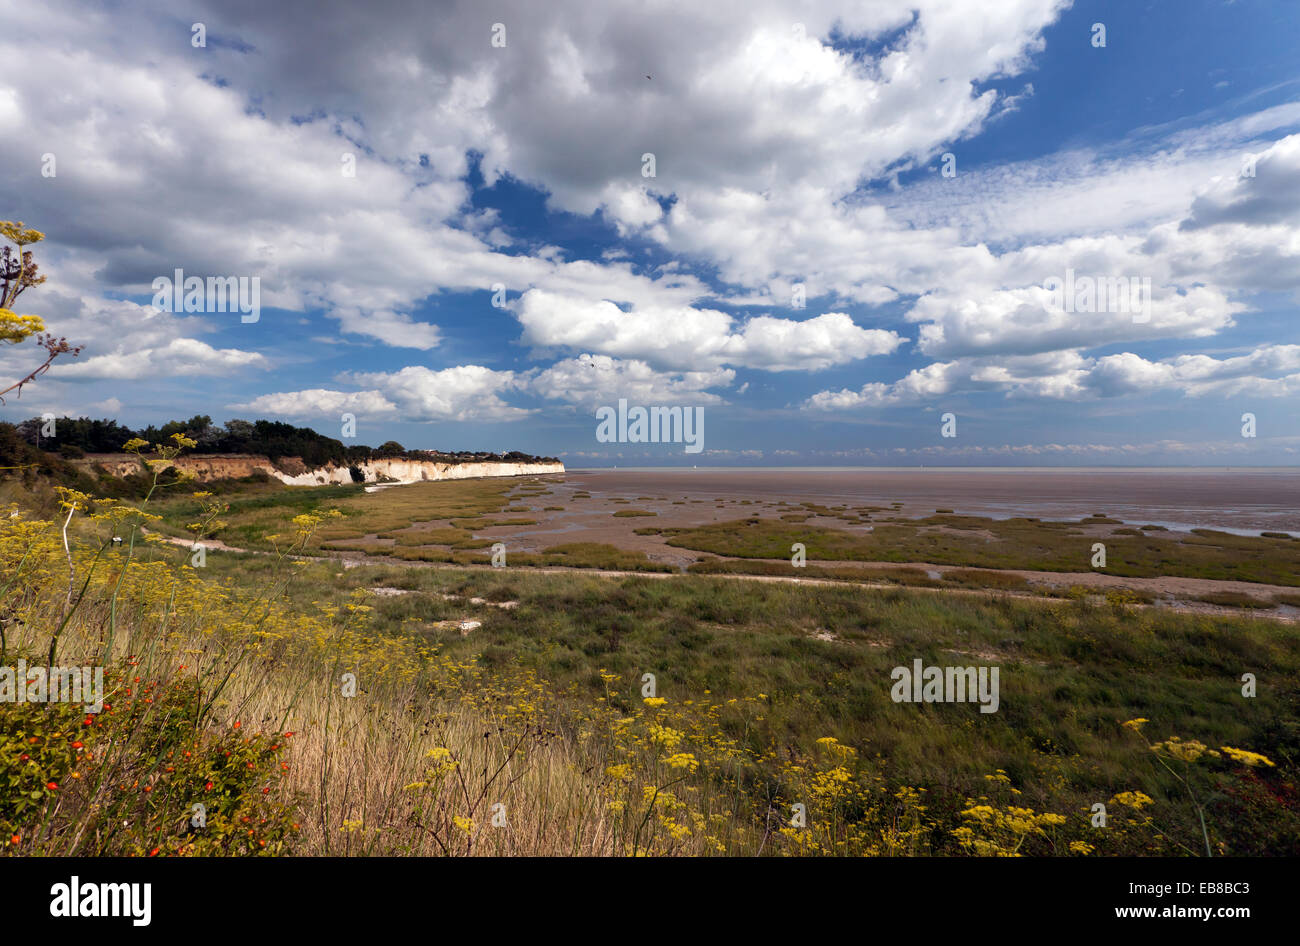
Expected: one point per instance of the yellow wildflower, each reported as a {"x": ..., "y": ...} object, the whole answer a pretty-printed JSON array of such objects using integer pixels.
[
  {"x": 1135, "y": 800},
  {"x": 1246, "y": 757}
]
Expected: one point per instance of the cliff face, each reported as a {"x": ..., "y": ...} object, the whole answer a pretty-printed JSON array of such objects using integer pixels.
[
  {"x": 414, "y": 471},
  {"x": 291, "y": 471}
]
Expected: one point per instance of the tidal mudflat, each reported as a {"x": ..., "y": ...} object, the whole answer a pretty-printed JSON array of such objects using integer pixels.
[{"x": 1246, "y": 500}]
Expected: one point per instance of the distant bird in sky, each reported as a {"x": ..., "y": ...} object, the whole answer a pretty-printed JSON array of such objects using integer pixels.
[{"x": 647, "y": 77}]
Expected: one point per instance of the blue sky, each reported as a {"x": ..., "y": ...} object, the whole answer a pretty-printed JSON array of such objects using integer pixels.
[{"x": 795, "y": 144}]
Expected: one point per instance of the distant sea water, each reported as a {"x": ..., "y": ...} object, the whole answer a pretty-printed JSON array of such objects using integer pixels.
[{"x": 1241, "y": 500}]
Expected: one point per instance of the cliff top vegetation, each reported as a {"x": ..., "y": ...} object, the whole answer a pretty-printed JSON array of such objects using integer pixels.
[{"x": 74, "y": 437}]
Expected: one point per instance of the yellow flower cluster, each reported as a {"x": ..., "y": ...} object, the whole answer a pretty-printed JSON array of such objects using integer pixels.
[
  {"x": 1001, "y": 832},
  {"x": 1246, "y": 757},
  {"x": 1189, "y": 751},
  {"x": 1135, "y": 800}
]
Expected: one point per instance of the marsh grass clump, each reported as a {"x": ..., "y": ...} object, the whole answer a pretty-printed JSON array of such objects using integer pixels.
[{"x": 1234, "y": 599}]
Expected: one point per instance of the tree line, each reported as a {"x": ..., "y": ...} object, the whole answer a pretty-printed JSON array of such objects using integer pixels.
[{"x": 74, "y": 437}]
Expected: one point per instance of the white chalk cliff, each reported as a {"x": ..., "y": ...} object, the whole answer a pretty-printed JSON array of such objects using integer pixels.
[{"x": 293, "y": 472}]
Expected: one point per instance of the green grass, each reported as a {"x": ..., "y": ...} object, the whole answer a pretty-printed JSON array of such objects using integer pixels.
[
  {"x": 570, "y": 555},
  {"x": 1010, "y": 544},
  {"x": 912, "y": 577},
  {"x": 453, "y": 538},
  {"x": 657, "y": 530},
  {"x": 490, "y": 523},
  {"x": 1234, "y": 599},
  {"x": 977, "y": 578},
  {"x": 898, "y": 575},
  {"x": 591, "y": 555},
  {"x": 261, "y": 510}
]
